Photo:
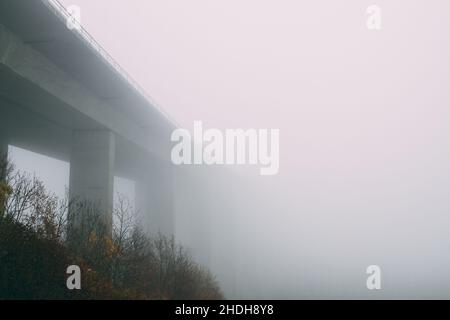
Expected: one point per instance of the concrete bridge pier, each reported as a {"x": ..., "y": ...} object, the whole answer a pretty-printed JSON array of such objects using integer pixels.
[
  {"x": 3, "y": 146},
  {"x": 154, "y": 199},
  {"x": 91, "y": 185},
  {"x": 3, "y": 158}
]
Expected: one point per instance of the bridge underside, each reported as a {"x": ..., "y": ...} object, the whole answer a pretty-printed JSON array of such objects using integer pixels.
[
  {"x": 37, "y": 119},
  {"x": 34, "y": 119}
]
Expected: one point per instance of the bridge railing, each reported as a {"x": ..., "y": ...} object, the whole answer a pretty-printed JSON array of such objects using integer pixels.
[{"x": 59, "y": 10}]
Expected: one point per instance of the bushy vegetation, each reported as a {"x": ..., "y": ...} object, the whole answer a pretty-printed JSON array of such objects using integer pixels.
[{"x": 35, "y": 250}]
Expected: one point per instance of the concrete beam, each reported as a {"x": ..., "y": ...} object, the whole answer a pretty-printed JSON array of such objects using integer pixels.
[
  {"x": 154, "y": 199},
  {"x": 92, "y": 176},
  {"x": 32, "y": 67}
]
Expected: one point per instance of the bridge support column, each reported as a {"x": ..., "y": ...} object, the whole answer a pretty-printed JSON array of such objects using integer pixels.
[
  {"x": 3, "y": 158},
  {"x": 3, "y": 173},
  {"x": 92, "y": 177},
  {"x": 154, "y": 199}
]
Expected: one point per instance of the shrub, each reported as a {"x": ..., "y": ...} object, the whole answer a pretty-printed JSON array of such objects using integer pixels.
[{"x": 35, "y": 251}]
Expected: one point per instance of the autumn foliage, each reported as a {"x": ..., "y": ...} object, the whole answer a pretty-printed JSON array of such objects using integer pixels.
[{"x": 35, "y": 251}]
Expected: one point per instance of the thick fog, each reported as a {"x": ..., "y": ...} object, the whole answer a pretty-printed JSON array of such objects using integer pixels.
[{"x": 364, "y": 121}]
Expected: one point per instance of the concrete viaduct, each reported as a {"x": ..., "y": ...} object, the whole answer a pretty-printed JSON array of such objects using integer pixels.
[{"x": 61, "y": 95}]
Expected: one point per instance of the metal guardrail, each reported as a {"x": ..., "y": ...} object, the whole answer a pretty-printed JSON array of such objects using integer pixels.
[{"x": 60, "y": 11}]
